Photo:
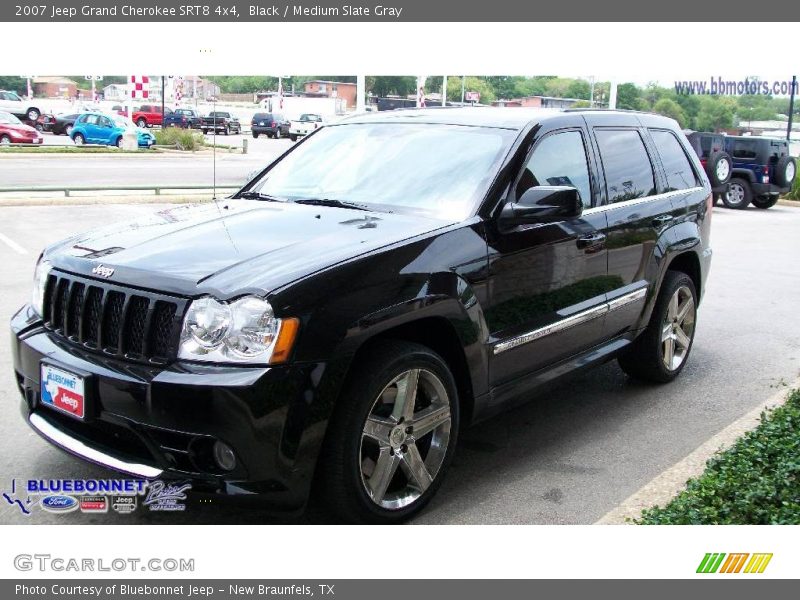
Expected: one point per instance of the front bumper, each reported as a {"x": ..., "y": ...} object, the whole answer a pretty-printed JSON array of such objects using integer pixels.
[{"x": 162, "y": 421}]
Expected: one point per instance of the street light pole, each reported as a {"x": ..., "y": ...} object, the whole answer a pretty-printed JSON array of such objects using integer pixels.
[{"x": 791, "y": 108}]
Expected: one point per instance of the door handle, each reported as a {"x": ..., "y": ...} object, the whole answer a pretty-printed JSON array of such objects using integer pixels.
[
  {"x": 661, "y": 220},
  {"x": 591, "y": 242}
]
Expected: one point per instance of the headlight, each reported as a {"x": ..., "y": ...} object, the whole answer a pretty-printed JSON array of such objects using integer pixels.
[
  {"x": 39, "y": 284},
  {"x": 243, "y": 331}
]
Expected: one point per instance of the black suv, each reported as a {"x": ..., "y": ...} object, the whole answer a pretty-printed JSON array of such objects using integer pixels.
[
  {"x": 762, "y": 171},
  {"x": 718, "y": 165},
  {"x": 273, "y": 125},
  {"x": 340, "y": 321}
]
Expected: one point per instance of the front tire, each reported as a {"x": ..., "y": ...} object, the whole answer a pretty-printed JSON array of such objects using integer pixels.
[
  {"x": 5, "y": 140},
  {"x": 662, "y": 350},
  {"x": 739, "y": 194},
  {"x": 278, "y": 134},
  {"x": 392, "y": 436},
  {"x": 141, "y": 123},
  {"x": 293, "y": 137},
  {"x": 33, "y": 114}
]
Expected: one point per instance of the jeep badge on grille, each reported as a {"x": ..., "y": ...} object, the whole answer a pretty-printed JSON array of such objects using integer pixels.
[{"x": 103, "y": 271}]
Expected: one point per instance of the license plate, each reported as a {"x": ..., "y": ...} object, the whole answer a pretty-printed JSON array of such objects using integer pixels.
[
  {"x": 262, "y": 123},
  {"x": 63, "y": 391}
]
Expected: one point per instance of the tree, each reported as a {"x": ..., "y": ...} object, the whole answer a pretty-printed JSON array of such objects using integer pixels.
[
  {"x": 387, "y": 85},
  {"x": 471, "y": 84},
  {"x": 13, "y": 83},
  {"x": 670, "y": 108},
  {"x": 628, "y": 96},
  {"x": 715, "y": 114}
]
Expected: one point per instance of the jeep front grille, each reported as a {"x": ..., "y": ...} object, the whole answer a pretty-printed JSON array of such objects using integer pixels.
[{"x": 133, "y": 324}]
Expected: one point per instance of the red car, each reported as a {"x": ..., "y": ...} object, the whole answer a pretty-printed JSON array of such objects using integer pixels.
[
  {"x": 149, "y": 115},
  {"x": 14, "y": 131}
]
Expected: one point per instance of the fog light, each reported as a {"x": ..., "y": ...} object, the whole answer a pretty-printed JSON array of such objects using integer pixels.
[{"x": 224, "y": 456}]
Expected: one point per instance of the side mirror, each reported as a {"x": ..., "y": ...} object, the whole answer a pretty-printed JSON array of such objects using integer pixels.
[{"x": 543, "y": 204}]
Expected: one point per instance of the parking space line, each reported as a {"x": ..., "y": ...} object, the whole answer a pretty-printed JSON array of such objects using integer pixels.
[
  {"x": 12, "y": 244},
  {"x": 665, "y": 486}
]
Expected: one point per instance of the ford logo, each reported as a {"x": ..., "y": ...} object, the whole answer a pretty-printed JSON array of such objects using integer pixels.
[{"x": 59, "y": 503}]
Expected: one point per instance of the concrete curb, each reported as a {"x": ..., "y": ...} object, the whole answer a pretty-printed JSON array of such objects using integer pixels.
[
  {"x": 79, "y": 200},
  {"x": 665, "y": 486},
  {"x": 792, "y": 203}
]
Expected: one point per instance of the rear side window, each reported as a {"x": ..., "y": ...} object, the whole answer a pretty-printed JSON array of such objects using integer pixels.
[
  {"x": 680, "y": 175},
  {"x": 745, "y": 149},
  {"x": 559, "y": 159},
  {"x": 629, "y": 173}
]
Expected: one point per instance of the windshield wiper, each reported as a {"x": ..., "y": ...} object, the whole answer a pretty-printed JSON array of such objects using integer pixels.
[
  {"x": 331, "y": 202},
  {"x": 258, "y": 196}
]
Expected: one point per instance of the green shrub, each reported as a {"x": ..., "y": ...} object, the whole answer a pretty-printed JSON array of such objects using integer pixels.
[
  {"x": 182, "y": 139},
  {"x": 794, "y": 194},
  {"x": 755, "y": 482}
]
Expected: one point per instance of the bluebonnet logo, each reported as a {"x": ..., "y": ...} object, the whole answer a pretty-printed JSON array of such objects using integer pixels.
[
  {"x": 59, "y": 503},
  {"x": 10, "y": 498}
]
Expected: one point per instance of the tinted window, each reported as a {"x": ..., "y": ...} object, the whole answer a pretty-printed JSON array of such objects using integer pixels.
[
  {"x": 680, "y": 175},
  {"x": 745, "y": 149},
  {"x": 629, "y": 174},
  {"x": 559, "y": 159}
]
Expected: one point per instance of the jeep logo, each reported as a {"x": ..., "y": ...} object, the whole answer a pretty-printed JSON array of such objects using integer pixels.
[{"x": 103, "y": 271}]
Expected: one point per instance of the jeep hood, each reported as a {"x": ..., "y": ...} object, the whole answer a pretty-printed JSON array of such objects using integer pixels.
[{"x": 233, "y": 247}]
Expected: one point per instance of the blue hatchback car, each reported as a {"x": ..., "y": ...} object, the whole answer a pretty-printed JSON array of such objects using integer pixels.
[{"x": 97, "y": 128}]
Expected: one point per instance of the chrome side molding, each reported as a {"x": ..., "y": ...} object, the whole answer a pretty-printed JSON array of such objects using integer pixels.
[{"x": 571, "y": 321}]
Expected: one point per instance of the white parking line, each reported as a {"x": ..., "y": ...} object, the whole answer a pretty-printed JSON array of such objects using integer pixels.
[
  {"x": 12, "y": 244},
  {"x": 665, "y": 486}
]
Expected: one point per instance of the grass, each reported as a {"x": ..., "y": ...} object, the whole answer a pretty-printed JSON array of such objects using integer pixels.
[
  {"x": 61, "y": 150},
  {"x": 794, "y": 194},
  {"x": 182, "y": 139},
  {"x": 755, "y": 482}
]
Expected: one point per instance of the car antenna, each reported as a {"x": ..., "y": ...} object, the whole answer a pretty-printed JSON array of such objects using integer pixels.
[{"x": 214, "y": 152}]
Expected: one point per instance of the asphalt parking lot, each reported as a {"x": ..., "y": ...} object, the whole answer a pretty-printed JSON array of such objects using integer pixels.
[{"x": 567, "y": 457}]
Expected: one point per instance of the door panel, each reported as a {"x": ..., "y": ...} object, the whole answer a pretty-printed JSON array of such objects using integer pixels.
[{"x": 548, "y": 282}]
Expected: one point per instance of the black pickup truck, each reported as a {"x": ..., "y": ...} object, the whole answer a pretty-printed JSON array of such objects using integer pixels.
[{"x": 220, "y": 122}]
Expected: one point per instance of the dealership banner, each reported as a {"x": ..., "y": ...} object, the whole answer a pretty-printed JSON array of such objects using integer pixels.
[
  {"x": 396, "y": 11},
  {"x": 385, "y": 589}
]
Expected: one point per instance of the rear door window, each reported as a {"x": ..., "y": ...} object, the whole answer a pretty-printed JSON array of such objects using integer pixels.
[
  {"x": 745, "y": 149},
  {"x": 680, "y": 175},
  {"x": 628, "y": 170}
]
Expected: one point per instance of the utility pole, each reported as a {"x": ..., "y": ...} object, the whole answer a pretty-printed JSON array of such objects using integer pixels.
[
  {"x": 463, "y": 83},
  {"x": 612, "y": 94},
  {"x": 361, "y": 93},
  {"x": 791, "y": 108},
  {"x": 444, "y": 90},
  {"x": 162, "y": 101}
]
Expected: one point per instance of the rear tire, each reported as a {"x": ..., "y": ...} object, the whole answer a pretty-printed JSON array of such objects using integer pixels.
[
  {"x": 278, "y": 134},
  {"x": 765, "y": 202},
  {"x": 739, "y": 195},
  {"x": 255, "y": 135},
  {"x": 785, "y": 171},
  {"x": 659, "y": 354},
  {"x": 718, "y": 168},
  {"x": 79, "y": 139},
  {"x": 141, "y": 123},
  {"x": 374, "y": 468},
  {"x": 33, "y": 114}
]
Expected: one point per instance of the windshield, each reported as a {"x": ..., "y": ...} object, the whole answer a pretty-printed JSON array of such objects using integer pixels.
[
  {"x": 436, "y": 170},
  {"x": 9, "y": 119}
]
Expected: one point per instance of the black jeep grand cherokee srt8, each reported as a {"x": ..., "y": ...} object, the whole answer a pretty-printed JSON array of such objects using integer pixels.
[{"x": 386, "y": 282}]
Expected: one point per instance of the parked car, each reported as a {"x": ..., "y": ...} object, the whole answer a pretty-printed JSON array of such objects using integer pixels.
[
  {"x": 342, "y": 321},
  {"x": 96, "y": 128},
  {"x": 14, "y": 131},
  {"x": 718, "y": 165},
  {"x": 220, "y": 122},
  {"x": 24, "y": 109},
  {"x": 62, "y": 124},
  {"x": 306, "y": 124},
  {"x": 762, "y": 171},
  {"x": 148, "y": 115},
  {"x": 273, "y": 125},
  {"x": 188, "y": 118}
]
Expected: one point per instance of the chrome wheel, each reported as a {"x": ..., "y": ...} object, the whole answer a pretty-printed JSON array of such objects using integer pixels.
[
  {"x": 678, "y": 328},
  {"x": 405, "y": 438},
  {"x": 736, "y": 194}
]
